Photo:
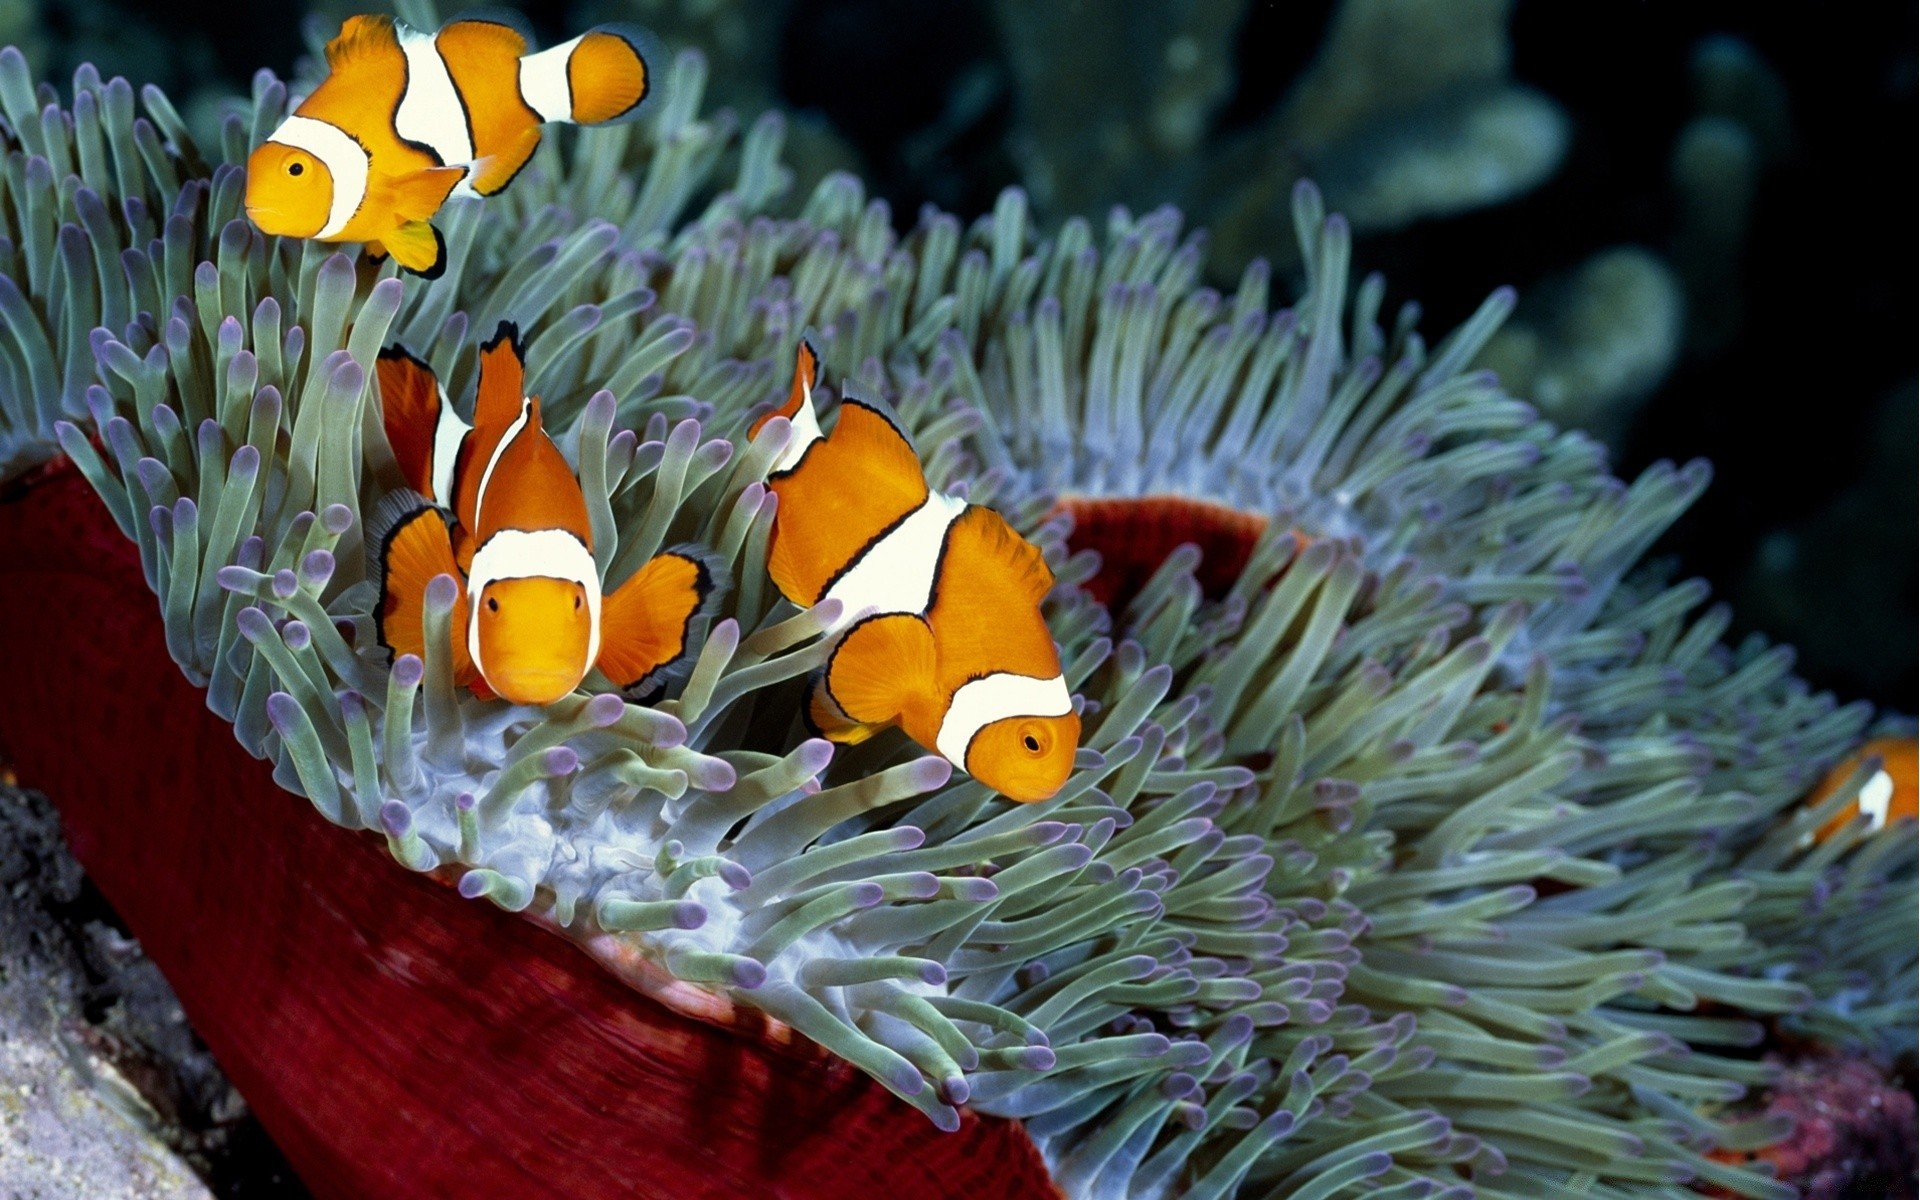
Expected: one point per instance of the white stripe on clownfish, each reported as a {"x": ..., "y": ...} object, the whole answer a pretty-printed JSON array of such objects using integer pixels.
[
  {"x": 895, "y": 574},
  {"x": 980, "y": 702},
  {"x": 543, "y": 81},
  {"x": 448, "y": 433},
  {"x": 431, "y": 112},
  {"x": 345, "y": 159},
  {"x": 499, "y": 448},
  {"x": 533, "y": 554},
  {"x": 806, "y": 431}
]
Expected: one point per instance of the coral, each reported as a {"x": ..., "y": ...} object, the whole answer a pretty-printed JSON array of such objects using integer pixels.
[
  {"x": 101, "y": 1083},
  {"x": 1414, "y": 858},
  {"x": 1853, "y": 1132},
  {"x": 1407, "y": 112}
]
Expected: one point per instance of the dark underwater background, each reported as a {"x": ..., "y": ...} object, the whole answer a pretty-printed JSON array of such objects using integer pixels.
[{"x": 1709, "y": 208}]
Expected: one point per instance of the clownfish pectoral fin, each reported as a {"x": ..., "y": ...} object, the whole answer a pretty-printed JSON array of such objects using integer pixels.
[
  {"x": 416, "y": 197},
  {"x": 415, "y": 547},
  {"x": 358, "y": 35},
  {"x": 826, "y": 719},
  {"x": 647, "y": 622},
  {"x": 883, "y": 667},
  {"x": 419, "y": 248},
  {"x": 806, "y": 373}
]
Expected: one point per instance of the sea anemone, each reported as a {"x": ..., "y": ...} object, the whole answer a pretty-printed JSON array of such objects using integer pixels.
[{"x": 1436, "y": 846}]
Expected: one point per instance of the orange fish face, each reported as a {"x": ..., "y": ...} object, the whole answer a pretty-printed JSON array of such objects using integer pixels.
[
  {"x": 1025, "y": 758},
  {"x": 289, "y": 191},
  {"x": 533, "y": 638}
]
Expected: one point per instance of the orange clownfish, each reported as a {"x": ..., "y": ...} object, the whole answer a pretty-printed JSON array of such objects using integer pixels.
[
  {"x": 405, "y": 118},
  {"x": 1892, "y": 794},
  {"x": 530, "y": 619},
  {"x": 941, "y": 632}
]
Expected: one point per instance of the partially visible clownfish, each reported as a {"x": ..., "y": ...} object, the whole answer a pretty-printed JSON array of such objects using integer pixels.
[
  {"x": 530, "y": 619},
  {"x": 405, "y": 119},
  {"x": 1891, "y": 794},
  {"x": 941, "y": 632}
]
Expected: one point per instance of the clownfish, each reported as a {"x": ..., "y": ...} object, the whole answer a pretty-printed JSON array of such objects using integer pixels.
[
  {"x": 498, "y": 509},
  {"x": 1892, "y": 794},
  {"x": 941, "y": 633},
  {"x": 405, "y": 119}
]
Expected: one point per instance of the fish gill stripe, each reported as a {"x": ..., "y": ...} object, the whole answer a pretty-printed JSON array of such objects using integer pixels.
[
  {"x": 345, "y": 158},
  {"x": 500, "y": 447},
  {"x": 894, "y": 572},
  {"x": 543, "y": 81},
  {"x": 449, "y": 431},
  {"x": 533, "y": 554},
  {"x": 981, "y": 702},
  {"x": 431, "y": 112}
]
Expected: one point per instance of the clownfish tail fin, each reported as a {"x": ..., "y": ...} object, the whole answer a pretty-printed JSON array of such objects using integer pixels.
[
  {"x": 597, "y": 78},
  {"x": 806, "y": 375},
  {"x": 648, "y": 623},
  {"x": 414, "y": 546},
  {"x": 879, "y": 670},
  {"x": 419, "y": 248}
]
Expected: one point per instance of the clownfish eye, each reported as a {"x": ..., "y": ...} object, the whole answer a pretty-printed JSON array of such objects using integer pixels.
[
  {"x": 1032, "y": 743},
  {"x": 493, "y": 603},
  {"x": 576, "y": 604},
  {"x": 296, "y": 168}
]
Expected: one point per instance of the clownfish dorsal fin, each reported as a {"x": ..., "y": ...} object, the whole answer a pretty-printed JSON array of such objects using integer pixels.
[
  {"x": 647, "y": 622},
  {"x": 358, "y": 36},
  {"x": 845, "y": 492},
  {"x": 410, "y": 407},
  {"x": 1002, "y": 554},
  {"x": 806, "y": 373},
  {"x": 503, "y": 380},
  {"x": 492, "y": 173},
  {"x": 882, "y": 445},
  {"x": 501, "y": 30},
  {"x": 881, "y": 668}
]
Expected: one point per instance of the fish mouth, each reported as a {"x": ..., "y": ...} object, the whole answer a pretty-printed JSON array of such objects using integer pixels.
[
  {"x": 535, "y": 687},
  {"x": 269, "y": 220}
]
